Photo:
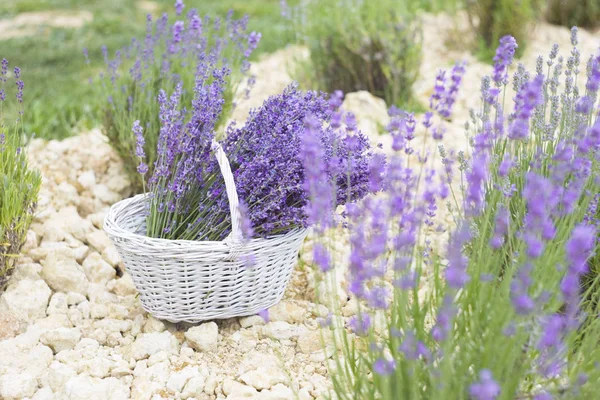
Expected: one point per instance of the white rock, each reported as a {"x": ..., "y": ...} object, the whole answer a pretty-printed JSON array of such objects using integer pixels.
[
  {"x": 234, "y": 389},
  {"x": 46, "y": 248},
  {"x": 61, "y": 339},
  {"x": 97, "y": 270},
  {"x": 44, "y": 393},
  {"x": 203, "y": 337},
  {"x": 264, "y": 378},
  {"x": 280, "y": 330},
  {"x": 29, "y": 270},
  {"x": 17, "y": 386},
  {"x": 193, "y": 387},
  {"x": 74, "y": 298},
  {"x": 370, "y": 111},
  {"x": 97, "y": 219},
  {"x": 63, "y": 274},
  {"x": 54, "y": 230},
  {"x": 84, "y": 387},
  {"x": 103, "y": 193},
  {"x": 31, "y": 241},
  {"x": 10, "y": 325},
  {"x": 57, "y": 376},
  {"x": 179, "y": 379},
  {"x": 80, "y": 253},
  {"x": 113, "y": 325},
  {"x": 87, "y": 179},
  {"x": 287, "y": 311},
  {"x": 153, "y": 325},
  {"x": 122, "y": 286},
  {"x": 278, "y": 392},
  {"x": 148, "y": 344},
  {"x": 211, "y": 385},
  {"x": 252, "y": 320},
  {"x": 310, "y": 342},
  {"x": 98, "y": 240},
  {"x": 58, "y": 304},
  {"x": 111, "y": 255},
  {"x": 26, "y": 299}
]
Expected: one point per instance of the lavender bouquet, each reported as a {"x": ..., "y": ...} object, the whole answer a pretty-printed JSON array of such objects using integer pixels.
[
  {"x": 171, "y": 54},
  {"x": 187, "y": 197}
]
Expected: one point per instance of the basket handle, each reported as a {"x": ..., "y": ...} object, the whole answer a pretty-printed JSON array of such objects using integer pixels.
[{"x": 235, "y": 239}]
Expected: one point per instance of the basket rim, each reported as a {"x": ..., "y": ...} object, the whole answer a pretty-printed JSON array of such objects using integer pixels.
[{"x": 116, "y": 230}]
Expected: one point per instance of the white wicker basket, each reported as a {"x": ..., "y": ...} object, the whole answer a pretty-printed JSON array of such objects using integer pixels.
[{"x": 192, "y": 281}]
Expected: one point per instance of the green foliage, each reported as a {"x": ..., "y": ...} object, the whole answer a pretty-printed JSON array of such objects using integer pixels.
[
  {"x": 61, "y": 100},
  {"x": 19, "y": 187},
  {"x": 360, "y": 45},
  {"x": 548, "y": 176},
  {"x": 581, "y": 13},
  {"x": 493, "y": 19},
  {"x": 128, "y": 98}
]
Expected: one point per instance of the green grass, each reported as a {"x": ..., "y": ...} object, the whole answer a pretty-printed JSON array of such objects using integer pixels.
[{"x": 57, "y": 94}]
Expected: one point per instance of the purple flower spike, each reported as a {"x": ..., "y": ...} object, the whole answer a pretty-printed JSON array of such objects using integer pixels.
[
  {"x": 384, "y": 367},
  {"x": 253, "y": 40},
  {"x": 179, "y": 6},
  {"x": 503, "y": 59},
  {"x": 486, "y": 389},
  {"x": 360, "y": 324}
]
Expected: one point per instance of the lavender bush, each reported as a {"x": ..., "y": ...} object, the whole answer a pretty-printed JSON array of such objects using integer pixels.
[
  {"x": 359, "y": 45},
  {"x": 187, "y": 191},
  {"x": 584, "y": 13},
  {"x": 493, "y": 19},
  {"x": 19, "y": 185},
  {"x": 171, "y": 54},
  {"x": 498, "y": 312}
]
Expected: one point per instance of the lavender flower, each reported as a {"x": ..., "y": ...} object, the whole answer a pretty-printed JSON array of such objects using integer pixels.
[
  {"x": 179, "y": 6},
  {"x": 384, "y": 367},
  {"x": 486, "y": 388},
  {"x": 503, "y": 59}
]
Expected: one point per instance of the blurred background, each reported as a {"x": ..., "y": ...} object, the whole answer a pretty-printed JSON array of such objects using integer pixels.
[{"x": 374, "y": 45}]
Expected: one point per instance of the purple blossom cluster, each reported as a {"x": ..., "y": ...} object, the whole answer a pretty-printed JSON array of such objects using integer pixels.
[
  {"x": 525, "y": 229},
  {"x": 173, "y": 53},
  {"x": 290, "y": 138}
]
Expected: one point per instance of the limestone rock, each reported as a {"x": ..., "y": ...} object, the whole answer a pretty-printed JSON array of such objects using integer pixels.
[
  {"x": 98, "y": 240},
  {"x": 10, "y": 325},
  {"x": 252, "y": 320},
  {"x": 370, "y": 111},
  {"x": 233, "y": 390},
  {"x": 264, "y": 377},
  {"x": 122, "y": 286},
  {"x": 97, "y": 269},
  {"x": 17, "y": 386},
  {"x": 84, "y": 387},
  {"x": 179, "y": 379},
  {"x": 26, "y": 299},
  {"x": 58, "y": 304},
  {"x": 61, "y": 339},
  {"x": 64, "y": 274},
  {"x": 148, "y": 344},
  {"x": 287, "y": 311},
  {"x": 203, "y": 337},
  {"x": 280, "y": 330}
]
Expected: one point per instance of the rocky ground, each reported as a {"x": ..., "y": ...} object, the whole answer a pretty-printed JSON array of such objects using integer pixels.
[{"x": 71, "y": 326}]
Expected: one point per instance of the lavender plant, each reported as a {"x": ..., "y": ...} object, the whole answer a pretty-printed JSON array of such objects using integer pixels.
[
  {"x": 19, "y": 185},
  {"x": 493, "y": 19},
  {"x": 360, "y": 45},
  {"x": 498, "y": 312},
  {"x": 187, "y": 190},
  {"x": 584, "y": 13},
  {"x": 170, "y": 55}
]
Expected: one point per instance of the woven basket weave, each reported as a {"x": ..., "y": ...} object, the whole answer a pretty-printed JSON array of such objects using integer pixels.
[{"x": 193, "y": 281}]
